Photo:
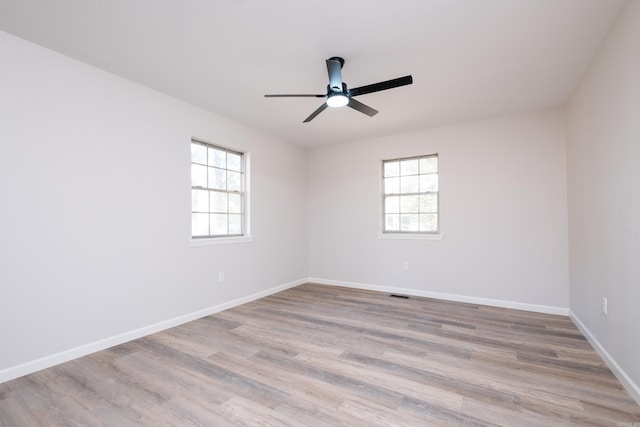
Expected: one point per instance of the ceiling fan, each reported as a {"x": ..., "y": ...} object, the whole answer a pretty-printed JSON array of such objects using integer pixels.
[{"x": 338, "y": 95}]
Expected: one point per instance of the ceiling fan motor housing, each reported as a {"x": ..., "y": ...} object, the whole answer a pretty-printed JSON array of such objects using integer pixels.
[{"x": 343, "y": 90}]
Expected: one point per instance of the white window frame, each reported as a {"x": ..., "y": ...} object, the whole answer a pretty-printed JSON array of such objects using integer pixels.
[
  {"x": 410, "y": 234},
  {"x": 228, "y": 237}
]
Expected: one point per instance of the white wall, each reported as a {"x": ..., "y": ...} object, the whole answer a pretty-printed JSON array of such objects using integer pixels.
[
  {"x": 603, "y": 129},
  {"x": 95, "y": 208},
  {"x": 503, "y": 213}
]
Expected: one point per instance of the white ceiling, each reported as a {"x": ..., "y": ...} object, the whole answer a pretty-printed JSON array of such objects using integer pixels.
[{"x": 470, "y": 59}]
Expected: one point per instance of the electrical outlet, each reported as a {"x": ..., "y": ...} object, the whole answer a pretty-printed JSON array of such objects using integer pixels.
[
  {"x": 221, "y": 276},
  {"x": 405, "y": 266},
  {"x": 605, "y": 305}
]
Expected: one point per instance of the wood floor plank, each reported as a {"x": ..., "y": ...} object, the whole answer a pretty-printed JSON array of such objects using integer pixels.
[
  {"x": 316, "y": 392},
  {"x": 331, "y": 356}
]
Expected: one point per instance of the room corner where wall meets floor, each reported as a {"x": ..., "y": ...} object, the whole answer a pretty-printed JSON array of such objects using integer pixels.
[
  {"x": 316, "y": 354},
  {"x": 537, "y": 308}
]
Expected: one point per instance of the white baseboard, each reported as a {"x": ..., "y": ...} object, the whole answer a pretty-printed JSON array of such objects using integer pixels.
[
  {"x": 74, "y": 353},
  {"x": 444, "y": 296},
  {"x": 627, "y": 382}
]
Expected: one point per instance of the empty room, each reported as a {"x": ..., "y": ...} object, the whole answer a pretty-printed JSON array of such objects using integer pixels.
[{"x": 319, "y": 213}]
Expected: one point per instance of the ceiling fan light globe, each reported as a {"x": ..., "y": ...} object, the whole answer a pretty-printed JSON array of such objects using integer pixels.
[{"x": 337, "y": 100}]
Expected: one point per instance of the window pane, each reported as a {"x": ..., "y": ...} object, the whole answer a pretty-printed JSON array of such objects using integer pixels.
[
  {"x": 218, "y": 202},
  {"x": 392, "y": 185},
  {"x": 409, "y": 184},
  {"x": 234, "y": 181},
  {"x": 409, "y": 204},
  {"x": 429, "y": 182},
  {"x": 199, "y": 224},
  {"x": 198, "y": 154},
  {"x": 235, "y": 203},
  {"x": 409, "y": 222},
  {"x": 217, "y": 158},
  {"x": 217, "y": 194},
  {"x": 391, "y": 169},
  {"x": 429, "y": 165},
  {"x": 235, "y": 224},
  {"x": 410, "y": 194},
  {"x": 429, "y": 203},
  {"x": 218, "y": 224},
  {"x": 409, "y": 167},
  {"x": 199, "y": 201},
  {"x": 429, "y": 223},
  {"x": 234, "y": 162},
  {"x": 392, "y": 204},
  {"x": 217, "y": 179},
  {"x": 392, "y": 222},
  {"x": 198, "y": 176}
]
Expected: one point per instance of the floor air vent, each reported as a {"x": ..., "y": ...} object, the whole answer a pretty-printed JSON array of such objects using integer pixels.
[{"x": 399, "y": 296}]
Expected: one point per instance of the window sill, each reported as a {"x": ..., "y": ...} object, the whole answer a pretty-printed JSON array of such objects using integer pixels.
[
  {"x": 220, "y": 241},
  {"x": 408, "y": 236}
]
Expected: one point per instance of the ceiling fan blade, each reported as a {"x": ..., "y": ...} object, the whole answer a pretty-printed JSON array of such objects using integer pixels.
[
  {"x": 334, "y": 68},
  {"x": 295, "y": 96},
  {"x": 315, "y": 113},
  {"x": 357, "y": 105},
  {"x": 377, "y": 87}
]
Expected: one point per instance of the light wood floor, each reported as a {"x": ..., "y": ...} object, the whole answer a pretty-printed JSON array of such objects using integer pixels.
[{"x": 318, "y": 355}]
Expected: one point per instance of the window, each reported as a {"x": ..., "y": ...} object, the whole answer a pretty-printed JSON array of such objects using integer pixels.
[
  {"x": 218, "y": 196},
  {"x": 410, "y": 195}
]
